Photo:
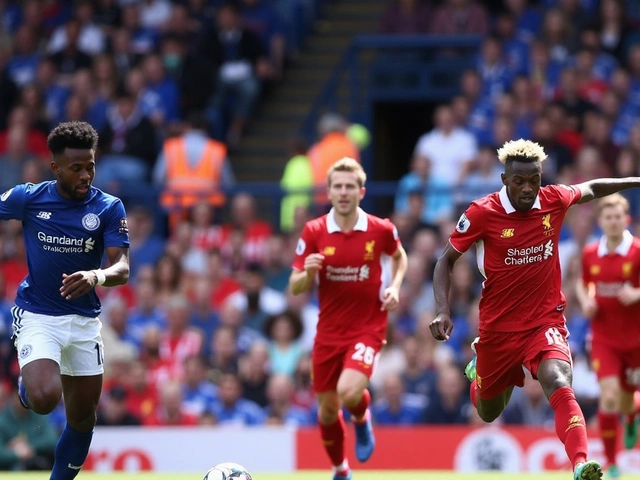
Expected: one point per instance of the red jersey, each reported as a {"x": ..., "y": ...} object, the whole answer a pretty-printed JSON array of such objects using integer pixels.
[
  {"x": 614, "y": 323},
  {"x": 517, "y": 253},
  {"x": 355, "y": 272}
]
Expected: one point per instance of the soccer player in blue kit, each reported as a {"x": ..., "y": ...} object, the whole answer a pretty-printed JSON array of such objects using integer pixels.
[{"x": 67, "y": 225}]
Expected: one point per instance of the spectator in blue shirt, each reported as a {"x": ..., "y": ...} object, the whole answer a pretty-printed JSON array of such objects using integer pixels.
[
  {"x": 394, "y": 407},
  {"x": 495, "y": 72},
  {"x": 437, "y": 194},
  {"x": 146, "y": 246},
  {"x": 515, "y": 48},
  {"x": 203, "y": 316},
  {"x": 418, "y": 377},
  {"x": 528, "y": 18},
  {"x": 483, "y": 179},
  {"x": 24, "y": 62},
  {"x": 280, "y": 410},
  {"x": 450, "y": 402},
  {"x": 55, "y": 95},
  {"x": 199, "y": 393},
  {"x": 231, "y": 408},
  {"x": 159, "y": 82},
  {"x": 605, "y": 63},
  {"x": 143, "y": 40},
  {"x": 146, "y": 313},
  {"x": 284, "y": 331}
]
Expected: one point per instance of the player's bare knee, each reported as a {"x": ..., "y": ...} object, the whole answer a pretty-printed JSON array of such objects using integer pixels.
[
  {"x": 349, "y": 394},
  {"x": 328, "y": 414},
  {"x": 609, "y": 401},
  {"x": 43, "y": 400}
]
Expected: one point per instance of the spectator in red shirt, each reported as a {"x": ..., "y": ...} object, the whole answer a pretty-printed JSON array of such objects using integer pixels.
[
  {"x": 256, "y": 232},
  {"x": 179, "y": 340},
  {"x": 170, "y": 411}
]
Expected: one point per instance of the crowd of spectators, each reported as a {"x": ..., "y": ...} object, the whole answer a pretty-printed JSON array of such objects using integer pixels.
[{"x": 206, "y": 331}]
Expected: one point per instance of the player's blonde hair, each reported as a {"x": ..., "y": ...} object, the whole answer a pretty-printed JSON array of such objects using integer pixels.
[
  {"x": 347, "y": 164},
  {"x": 613, "y": 201},
  {"x": 524, "y": 150}
]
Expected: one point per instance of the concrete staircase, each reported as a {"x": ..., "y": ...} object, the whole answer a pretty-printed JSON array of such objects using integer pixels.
[{"x": 262, "y": 152}]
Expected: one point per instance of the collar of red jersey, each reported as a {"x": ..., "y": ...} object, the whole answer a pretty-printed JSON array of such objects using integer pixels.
[
  {"x": 506, "y": 203},
  {"x": 622, "y": 249},
  {"x": 361, "y": 224}
]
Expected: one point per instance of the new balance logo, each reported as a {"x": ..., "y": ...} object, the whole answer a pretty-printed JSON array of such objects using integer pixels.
[
  {"x": 548, "y": 249},
  {"x": 44, "y": 215}
]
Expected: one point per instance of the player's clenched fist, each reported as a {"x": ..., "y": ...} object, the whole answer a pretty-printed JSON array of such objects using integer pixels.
[
  {"x": 313, "y": 263},
  {"x": 628, "y": 295},
  {"x": 77, "y": 284},
  {"x": 390, "y": 299},
  {"x": 441, "y": 327}
]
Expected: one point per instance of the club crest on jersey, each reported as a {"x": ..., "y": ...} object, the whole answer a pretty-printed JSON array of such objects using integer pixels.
[
  {"x": 594, "y": 270},
  {"x": 463, "y": 224},
  {"x": 627, "y": 267},
  {"x": 507, "y": 232},
  {"x": 368, "y": 250},
  {"x": 546, "y": 223},
  {"x": 329, "y": 250},
  {"x": 91, "y": 221}
]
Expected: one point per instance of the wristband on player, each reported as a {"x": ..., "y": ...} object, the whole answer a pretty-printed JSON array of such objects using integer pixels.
[{"x": 100, "y": 276}]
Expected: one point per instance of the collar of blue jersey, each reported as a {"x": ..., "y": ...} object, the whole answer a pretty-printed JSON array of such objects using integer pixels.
[
  {"x": 361, "y": 224},
  {"x": 622, "y": 249},
  {"x": 506, "y": 203}
]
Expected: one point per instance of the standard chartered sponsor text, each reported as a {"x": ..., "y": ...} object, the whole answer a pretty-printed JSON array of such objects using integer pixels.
[
  {"x": 533, "y": 254},
  {"x": 342, "y": 274}
]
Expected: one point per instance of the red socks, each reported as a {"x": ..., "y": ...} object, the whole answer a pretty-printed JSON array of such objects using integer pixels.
[
  {"x": 473, "y": 393},
  {"x": 570, "y": 424},
  {"x": 609, "y": 423},
  {"x": 360, "y": 409},
  {"x": 333, "y": 440}
]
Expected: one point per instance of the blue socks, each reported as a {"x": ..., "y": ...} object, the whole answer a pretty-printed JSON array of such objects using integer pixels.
[{"x": 71, "y": 452}]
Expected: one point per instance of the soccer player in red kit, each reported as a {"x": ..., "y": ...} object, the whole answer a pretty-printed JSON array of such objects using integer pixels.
[
  {"x": 359, "y": 264},
  {"x": 609, "y": 294},
  {"x": 522, "y": 323}
]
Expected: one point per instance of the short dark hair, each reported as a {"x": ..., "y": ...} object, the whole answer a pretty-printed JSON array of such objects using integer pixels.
[{"x": 72, "y": 135}]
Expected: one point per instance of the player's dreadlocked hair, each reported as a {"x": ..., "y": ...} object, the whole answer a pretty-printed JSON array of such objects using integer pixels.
[
  {"x": 521, "y": 151},
  {"x": 72, "y": 135}
]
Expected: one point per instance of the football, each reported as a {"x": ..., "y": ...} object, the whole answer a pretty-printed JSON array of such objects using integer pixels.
[{"x": 227, "y": 471}]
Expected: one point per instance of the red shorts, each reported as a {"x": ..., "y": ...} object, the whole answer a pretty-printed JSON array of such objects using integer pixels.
[
  {"x": 329, "y": 360},
  {"x": 501, "y": 356},
  {"x": 609, "y": 361}
]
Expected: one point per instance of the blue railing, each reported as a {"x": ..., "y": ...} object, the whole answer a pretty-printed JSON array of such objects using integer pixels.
[{"x": 415, "y": 68}]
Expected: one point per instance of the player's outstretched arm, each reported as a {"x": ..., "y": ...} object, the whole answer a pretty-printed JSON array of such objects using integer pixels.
[
  {"x": 442, "y": 326},
  {"x": 82, "y": 282},
  {"x": 601, "y": 187}
]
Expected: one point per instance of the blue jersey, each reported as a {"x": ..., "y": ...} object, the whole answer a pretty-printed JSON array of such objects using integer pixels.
[{"x": 62, "y": 236}]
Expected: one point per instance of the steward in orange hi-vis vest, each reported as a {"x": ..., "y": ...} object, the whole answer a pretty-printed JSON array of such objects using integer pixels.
[{"x": 187, "y": 185}]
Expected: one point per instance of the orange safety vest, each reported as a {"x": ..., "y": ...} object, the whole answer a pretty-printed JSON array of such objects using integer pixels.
[
  {"x": 325, "y": 153},
  {"x": 187, "y": 185}
]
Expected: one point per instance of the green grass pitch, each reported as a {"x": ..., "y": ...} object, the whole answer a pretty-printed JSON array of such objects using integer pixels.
[{"x": 312, "y": 475}]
